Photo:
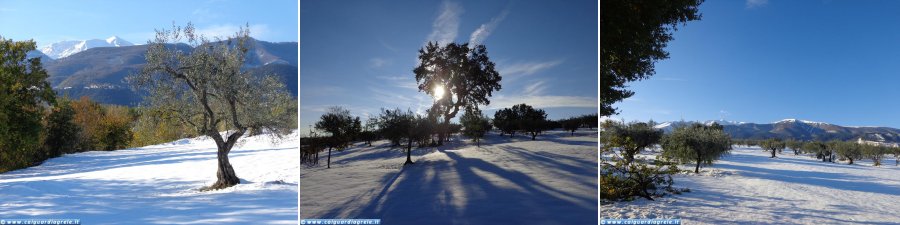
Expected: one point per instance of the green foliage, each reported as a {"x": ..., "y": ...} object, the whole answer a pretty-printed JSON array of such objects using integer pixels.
[
  {"x": 475, "y": 125},
  {"x": 340, "y": 124},
  {"x": 795, "y": 146},
  {"x": 623, "y": 181},
  {"x": 62, "y": 131},
  {"x": 848, "y": 150},
  {"x": 155, "y": 127},
  {"x": 774, "y": 145},
  {"x": 115, "y": 128},
  {"x": 634, "y": 35},
  {"x": 530, "y": 120},
  {"x": 506, "y": 121},
  {"x": 876, "y": 153},
  {"x": 697, "y": 143},
  {"x": 23, "y": 89},
  {"x": 630, "y": 138},
  {"x": 392, "y": 125}
]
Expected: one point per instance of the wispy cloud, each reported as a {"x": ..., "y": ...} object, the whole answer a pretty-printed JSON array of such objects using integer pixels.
[
  {"x": 379, "y": 62},
  {"x": 518, "y": 70},
  {"x": 258, "y": 31},
  {"x": 756, "y": 3},
  {"x": 543, "y": 101},
  {"x": 446, "y": 25},
  {"x": 401, "y": 82},
  {"x": 533, "y": 89},
  {"x": 486, "y": 29}
]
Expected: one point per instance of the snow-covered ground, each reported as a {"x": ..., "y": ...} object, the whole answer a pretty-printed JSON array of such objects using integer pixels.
[
  {"x": 748, "y": 187},
  {"x": 552, "y": 180},
  {"x": 159, "y": 185}
]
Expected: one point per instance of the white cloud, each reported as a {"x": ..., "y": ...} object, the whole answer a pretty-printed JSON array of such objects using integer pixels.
[
  {"x": 446, "y": 25},
  {"x": 756, "y": 3},
  {"x": 545, "y": 101},
  {"x": 515, "y": 71},
  {"x": 535, "y": 88},
  {"x": 485, "y": 30},
  {"x": 258, "y": 31}
]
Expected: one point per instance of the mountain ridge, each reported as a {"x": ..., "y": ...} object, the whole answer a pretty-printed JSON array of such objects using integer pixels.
[{"x": 796, "y": 129}]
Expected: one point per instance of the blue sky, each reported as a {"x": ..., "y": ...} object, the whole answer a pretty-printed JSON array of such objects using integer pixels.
[
  {"x": 763, "y": 61},
  {"x": 360, "y": 54},
  {"x": 52, "y": 21}
]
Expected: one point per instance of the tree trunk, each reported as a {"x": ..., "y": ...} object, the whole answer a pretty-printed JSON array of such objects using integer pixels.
[
  {"x": 533, "y": 135},
  {"x": 697, "y": 168},
  {"x": 851, "y": 160},
  {"x": 329, "y": 157},
  {"x": 773, "y": 153},
  {"x": 408, "y": 153},
  {"x": 225, "y": 175}
]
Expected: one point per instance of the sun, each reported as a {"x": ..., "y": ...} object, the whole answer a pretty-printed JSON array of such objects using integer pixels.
[{"x": 438, "y": 92}]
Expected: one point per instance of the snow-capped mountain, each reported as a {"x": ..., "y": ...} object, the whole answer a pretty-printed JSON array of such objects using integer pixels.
[
  {"x": 67, "y": 48},
  {"x": 795, "y": 129}
]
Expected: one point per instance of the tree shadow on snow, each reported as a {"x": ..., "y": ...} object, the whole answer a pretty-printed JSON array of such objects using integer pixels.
[
  {"x": 96, "y": 201},
  {"x": 102, "y": 160},
  {"x": 419, "y": 197}
]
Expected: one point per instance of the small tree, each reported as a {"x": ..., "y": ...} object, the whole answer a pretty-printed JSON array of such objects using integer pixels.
[
  {"x": 505, "y": 120},
  {"x": 338, "y": 122},
  {"x": 876, "y": 153},
  {"x": 390, "y": 124},
  {"x": 530, "y": 120},
  {"x": 631, "y": 138},
  {"x": 369, "y": 132},
  {"x": 204, "y": 85},
  {"x": 62, "y": 132},
  {"x": 819, "y": 148},
  {"x": 418, "y": 127},
  {"x": 848, "y": 150},
  {"x": 774, "y": 145},
  {"x": 794, "y": 145},
  {"x": 570, "y": 124},
  {"x": 696, "y": 143},
  {"x": 475, "y": 125}
]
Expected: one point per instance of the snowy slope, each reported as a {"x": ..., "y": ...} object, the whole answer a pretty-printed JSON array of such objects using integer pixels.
[
  {"x": 158, "y": 185},
  {"x": 552, "y": 180},
  {"x": 67, "y": 48},
  {"x": 747, "y": 187}
]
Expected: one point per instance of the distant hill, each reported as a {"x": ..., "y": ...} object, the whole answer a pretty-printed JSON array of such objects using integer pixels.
[
  {"x": 100, "y": 73},
  {"x": 798, "y": 130}
]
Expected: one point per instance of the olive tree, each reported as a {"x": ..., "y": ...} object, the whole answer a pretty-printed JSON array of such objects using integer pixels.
[
  {"x": 848, "y": 150},
  {"x": 630, "y": 138},
  {"x": 475, "y": 125},
  {"x": 458, "y": 76},
  {"x": 342, "y": 127},
  {"x": 201, "y": 83},
  {"x": 696, "y": 143},
  {"x": 794, "y": 145},
  {"x": 774, "y": 145}
]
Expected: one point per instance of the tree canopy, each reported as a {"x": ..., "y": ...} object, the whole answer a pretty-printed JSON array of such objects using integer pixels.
[
  {"x": 697, "y": 143},
  {"x": 633, "y": 37},
  {"x": 457, "y": 76}
]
